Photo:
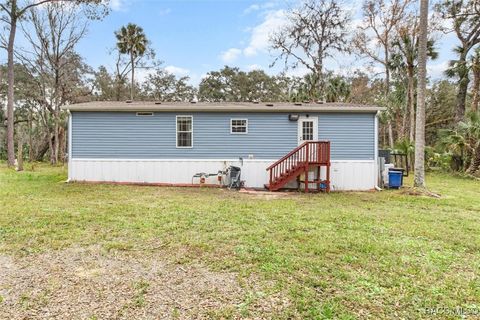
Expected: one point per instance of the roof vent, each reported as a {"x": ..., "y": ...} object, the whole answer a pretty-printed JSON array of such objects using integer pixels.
[
  {"x": 269, "y": 104},
  {"x": 129, "y": 101},
  {"x": 158, "y": 102},
  {"x": 298, "y": 103}
]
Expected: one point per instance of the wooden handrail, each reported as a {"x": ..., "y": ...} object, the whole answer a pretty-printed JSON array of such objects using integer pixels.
[
  {"x": 288, "y": 155},
  {"x": 315, "y": 153}
]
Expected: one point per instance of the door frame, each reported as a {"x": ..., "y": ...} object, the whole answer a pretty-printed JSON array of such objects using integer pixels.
[{"x": 301, "y": 119}]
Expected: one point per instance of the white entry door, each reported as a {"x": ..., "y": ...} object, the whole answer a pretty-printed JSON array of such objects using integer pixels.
[{"x": 307, "y": 129}]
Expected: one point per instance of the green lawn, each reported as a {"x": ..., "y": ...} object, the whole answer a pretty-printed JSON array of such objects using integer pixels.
[{"x": 339, "y": 255}]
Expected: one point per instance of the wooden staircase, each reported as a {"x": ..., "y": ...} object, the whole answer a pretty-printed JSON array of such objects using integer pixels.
[{"x": 309, "y": 156}]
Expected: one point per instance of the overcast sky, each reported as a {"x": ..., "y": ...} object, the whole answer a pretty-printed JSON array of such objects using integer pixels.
[{"x": 194, "y": 37}]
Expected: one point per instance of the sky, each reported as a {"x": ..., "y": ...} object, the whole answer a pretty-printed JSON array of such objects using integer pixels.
[{"x": 193, "y": 37}]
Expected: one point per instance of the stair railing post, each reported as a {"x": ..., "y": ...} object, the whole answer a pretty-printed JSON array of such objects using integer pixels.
[
  {"x": 306, "y": 167},
  {"x": 319, "y": 157},
  {"x": 328, "y": 166},
  {"x": 270, "y": 186}
]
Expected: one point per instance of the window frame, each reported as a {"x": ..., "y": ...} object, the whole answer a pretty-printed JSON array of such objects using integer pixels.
[
  {"x": 309, "y": 130},
  {"x": 242, "y": 119},
  {"x": 176, "y": 131}
]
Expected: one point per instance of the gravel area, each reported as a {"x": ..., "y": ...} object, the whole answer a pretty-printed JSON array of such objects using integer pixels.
[{"x": 90, "y": 283}]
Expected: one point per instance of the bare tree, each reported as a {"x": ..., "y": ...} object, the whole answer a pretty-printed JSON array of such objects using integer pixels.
[
  {"x": 12, "y": 12},
  {"x": 419, "y": 174},
  {"x": 465, "y": 20},
  {"x": 373, "y": 39},
  {"x": 315, "y": 30},
  {"x": 52, "y": 60}
]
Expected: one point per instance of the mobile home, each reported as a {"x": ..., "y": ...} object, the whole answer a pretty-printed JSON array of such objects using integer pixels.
[{"x": 168, "y": 143}]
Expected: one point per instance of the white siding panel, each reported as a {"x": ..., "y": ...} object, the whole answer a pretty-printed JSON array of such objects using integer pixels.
[
  {"x": 345, "y": 175},
  {"x": 353, "y": 175}
]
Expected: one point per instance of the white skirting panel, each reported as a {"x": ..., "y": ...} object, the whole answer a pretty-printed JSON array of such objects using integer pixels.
[
  {"x": 353, "y": 175},
  {"x": 345, "y": 175}
]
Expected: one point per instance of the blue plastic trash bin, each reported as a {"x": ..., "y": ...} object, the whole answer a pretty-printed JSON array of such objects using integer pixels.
[{"x": 395, "y": 179}]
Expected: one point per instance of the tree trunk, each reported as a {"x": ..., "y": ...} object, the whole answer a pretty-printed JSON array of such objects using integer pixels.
[
  {"x": 56, "y": 139},
  {"x": 399, "y": 126},
  {"x": 391, "y": 139},
  {"x": 462, "y": 88},
  {"x": 321, "y": 83},
  {"x": 20, "y": 155},
  {"x": 30, "y": 136},
  {"x": 403, "y": 130},
  {"x": 419, "y": 174},
  {"x": 10, "y": 89},
  {"x": 390, "y": 134},
  {"x": 476, "y": 87},
  {"x": 61, "y": 144},
  {"x": 475, "y": 164},
  {"x": 51, "y": 142},
  {"x": 118, "y": 89},
  {"x": 411, "y": 102},
  {"x": 132, "y": 89},
  {"x": 384, "y": 136},
  {"x": 387, "y": 70},
  {"x": 40, "y": 154}
]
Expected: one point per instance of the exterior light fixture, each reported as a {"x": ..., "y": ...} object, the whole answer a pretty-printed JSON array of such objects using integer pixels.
[{"x": 293, "y": 117}]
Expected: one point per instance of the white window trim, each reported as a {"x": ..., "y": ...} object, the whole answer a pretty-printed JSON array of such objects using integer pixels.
[
  {"x": 176, "y": 131},
  {"x": 300, "y": 128},
  {"x": 231, "y": 126}
]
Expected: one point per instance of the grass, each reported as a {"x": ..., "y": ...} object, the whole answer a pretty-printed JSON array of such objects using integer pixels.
[{"x": 342, "y": 255}]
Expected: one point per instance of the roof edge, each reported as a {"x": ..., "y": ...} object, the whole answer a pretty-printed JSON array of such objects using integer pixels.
[{"x": 222, "y": 108}]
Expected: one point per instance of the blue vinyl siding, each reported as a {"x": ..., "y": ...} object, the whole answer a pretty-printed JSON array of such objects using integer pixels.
[
  {"x": 123, "y": 135},
  {"x": 351, "y": 136}
]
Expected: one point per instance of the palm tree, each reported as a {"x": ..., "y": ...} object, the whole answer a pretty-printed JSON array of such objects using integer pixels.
[
  {"x": 454, "y": 143},
  {"x": 419, "y": 174},
  {"x": 337, "y": 89},
  {"x": 407, "y": 147},
  {"x": 459, "y": 68},
  {"x": 471, "y": 130},
  {"x": 463, "y": 142},
  {"x": 475, "y": 61},
  {"x": 131, "y": 40},
  {"x": 465, "y": 23}
]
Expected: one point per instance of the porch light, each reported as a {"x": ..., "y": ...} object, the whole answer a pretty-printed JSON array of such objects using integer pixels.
[{"x": 293, "y": 117}]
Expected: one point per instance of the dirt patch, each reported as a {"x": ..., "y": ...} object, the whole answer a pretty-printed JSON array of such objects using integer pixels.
[
  {"x": 267, "y": 195},
  {"x": 411, "y": 191},
  {"x": 90, "y": 283}
]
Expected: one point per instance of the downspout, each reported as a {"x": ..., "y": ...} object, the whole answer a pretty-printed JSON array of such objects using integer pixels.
[
  {"x": 376, "y": 152},
  {"x": 70, "y": 163}
]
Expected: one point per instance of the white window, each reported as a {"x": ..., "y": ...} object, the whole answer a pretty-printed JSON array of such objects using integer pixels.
[
  {"x": 238, "y": 126},
  {"x": 307, "y": 130},
  {"x": 184, "y": 131}
]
